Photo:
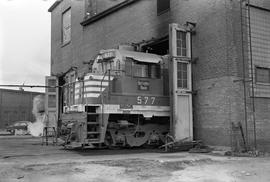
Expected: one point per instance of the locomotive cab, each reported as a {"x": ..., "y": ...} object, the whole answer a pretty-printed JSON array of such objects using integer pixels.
[{"x": 134, "y": 72}]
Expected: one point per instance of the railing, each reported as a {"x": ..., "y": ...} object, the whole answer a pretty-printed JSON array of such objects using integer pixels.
[{"x": 109, "y": 90}]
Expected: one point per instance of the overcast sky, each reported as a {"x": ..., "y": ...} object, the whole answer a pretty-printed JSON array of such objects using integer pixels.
[{"x": 24, "y": 41}]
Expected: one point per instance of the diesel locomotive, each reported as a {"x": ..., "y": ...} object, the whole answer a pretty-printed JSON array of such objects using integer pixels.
[{"x": 123, "y": 100}]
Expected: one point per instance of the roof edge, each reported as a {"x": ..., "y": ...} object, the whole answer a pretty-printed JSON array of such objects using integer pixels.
[
  {"x": 107, "y": 12},
  {"x": 20, "y": 91},
  {"x": 55, "y": 4}
]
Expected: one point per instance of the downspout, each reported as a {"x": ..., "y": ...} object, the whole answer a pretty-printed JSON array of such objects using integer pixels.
[
  {"x": 244, "y": 71},
  {"x": 192, "y": 32},
  {"x": 252, "y": 79}
]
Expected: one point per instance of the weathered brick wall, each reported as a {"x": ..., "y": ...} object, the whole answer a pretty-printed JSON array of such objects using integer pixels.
[
  {"x": 262, "y": 108},
  {"x": 261, "y": 104}
]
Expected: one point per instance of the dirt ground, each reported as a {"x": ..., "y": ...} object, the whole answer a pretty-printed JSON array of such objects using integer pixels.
[{"x": 24, "y": 159}]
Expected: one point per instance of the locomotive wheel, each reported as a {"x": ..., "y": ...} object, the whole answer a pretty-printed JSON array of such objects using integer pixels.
[
  {"x": 142, "y": 135},
  {"x": 137, "y": 139}
]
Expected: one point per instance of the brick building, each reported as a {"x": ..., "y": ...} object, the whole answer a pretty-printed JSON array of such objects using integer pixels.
[
  {"x": 16, "y": 105},
  {"x": 230, "y": 38}
]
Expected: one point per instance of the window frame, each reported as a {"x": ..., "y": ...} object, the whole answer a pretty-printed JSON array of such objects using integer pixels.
[
  {"x": 183, "y": 43},
  {"x": 181, "y": 79},
  {"x": 134, "y": 70},
  {"x": 256, "y": 75},
  {"x": 62, "y": 27},
  {"x": 69, "y": 89},
  {"x": 164, "y": 10},
  {"x": 131, "y": 72}
]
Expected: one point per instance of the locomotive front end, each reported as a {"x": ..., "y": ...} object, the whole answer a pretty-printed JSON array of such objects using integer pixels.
[{"x": 123, "y": 101}]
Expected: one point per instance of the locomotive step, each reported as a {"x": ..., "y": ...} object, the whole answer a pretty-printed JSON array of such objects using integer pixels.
[
  {"x": 92, "y": 113},
  {"x": 92, "y": 123},
  {"x": 93, "y": 132},
  {"x": 94, "y": 140}
]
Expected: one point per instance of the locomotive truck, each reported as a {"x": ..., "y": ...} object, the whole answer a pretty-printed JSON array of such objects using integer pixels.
[{"x": 122, "y": 101}]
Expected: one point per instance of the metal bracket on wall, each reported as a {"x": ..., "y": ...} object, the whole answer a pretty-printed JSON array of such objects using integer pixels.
[
  {"x": 194, "y": 60},
  {"x": 191, "y": 27},
  {"x": 193, "y": 92}
]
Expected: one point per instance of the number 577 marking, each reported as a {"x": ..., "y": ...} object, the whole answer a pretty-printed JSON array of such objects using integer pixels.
[{"x": 143, "y": 100}]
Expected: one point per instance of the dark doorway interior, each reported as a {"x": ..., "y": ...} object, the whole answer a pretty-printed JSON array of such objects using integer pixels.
[{"x": 159, "y": 46}]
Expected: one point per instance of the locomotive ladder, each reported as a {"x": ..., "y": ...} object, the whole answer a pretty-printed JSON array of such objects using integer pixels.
[{"x": 93, "y": 126}]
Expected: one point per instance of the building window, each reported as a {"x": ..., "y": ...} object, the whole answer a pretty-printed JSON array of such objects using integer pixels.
[
  {"x": 182, "y": 75},
  {"x": 163, "y": 6},
  {"x": 181, "y": 43},
  {"x": 66, "y": 26},
  {"x": 51, "y": 101},
  {"x": 69, "y": 89},
  {"x": 262, "y": 75}
]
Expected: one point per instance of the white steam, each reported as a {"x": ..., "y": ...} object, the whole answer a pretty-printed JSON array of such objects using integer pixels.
[{"x": 36, "y": 128}]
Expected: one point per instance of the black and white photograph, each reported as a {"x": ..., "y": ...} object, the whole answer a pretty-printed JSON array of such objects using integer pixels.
[{"x": 134, "y": 90}]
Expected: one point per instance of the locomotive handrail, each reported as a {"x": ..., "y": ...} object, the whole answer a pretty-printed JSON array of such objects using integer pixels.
[
  {"x": 101, "y": 93},
  {"x": 101, "y": 97},
  {"x": 107, "y": 71}
]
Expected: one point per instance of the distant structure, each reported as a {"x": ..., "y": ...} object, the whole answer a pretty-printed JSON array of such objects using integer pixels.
[{"x": 16, "y": 105}]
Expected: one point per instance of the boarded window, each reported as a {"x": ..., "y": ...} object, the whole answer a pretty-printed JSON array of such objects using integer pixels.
[
  {"x": 181, "y": 43},
  {"x": 51, "y": 101},
  {"x": 51, "y": 84},
  {"x": 66, "y": 95},
  {"x": 69, "y": 89},
  {"x": 262, "y": 75},
  {"x": 182, "y": 75},
  {"x": 72, "y": 89},
  {"x": 66, "y": 26},
  {"x": 162, "y": 6}
]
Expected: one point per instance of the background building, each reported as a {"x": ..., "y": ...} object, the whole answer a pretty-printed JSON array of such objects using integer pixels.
[
  {"x": 16, "y": 105},
  {"x": 230, "y": 51}
]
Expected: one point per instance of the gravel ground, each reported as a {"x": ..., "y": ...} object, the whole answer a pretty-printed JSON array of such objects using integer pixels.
[{"x": 24, "y": 159}]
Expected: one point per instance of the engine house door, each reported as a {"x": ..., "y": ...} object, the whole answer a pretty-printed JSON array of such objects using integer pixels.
[
  {"x": 180, "y": 82},
  {"x": 51, "y": 100}
]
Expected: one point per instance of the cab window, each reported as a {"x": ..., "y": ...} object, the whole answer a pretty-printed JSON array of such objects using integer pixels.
[
  {"x": 106, "y": 65},
  {"x": 140, "y": 69}
]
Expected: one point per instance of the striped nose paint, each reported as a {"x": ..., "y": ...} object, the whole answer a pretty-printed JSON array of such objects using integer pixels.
[{"x": 94, "y": 85}]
